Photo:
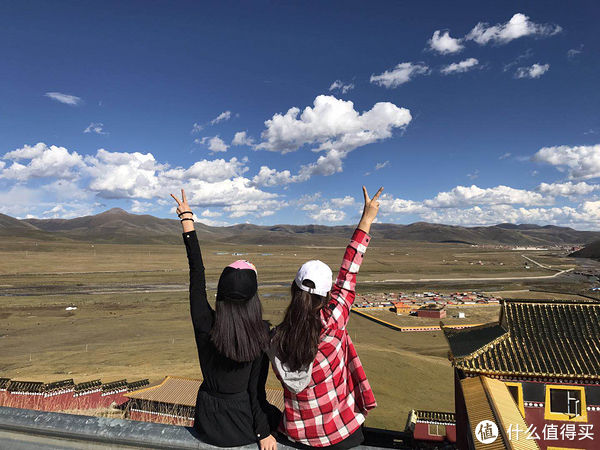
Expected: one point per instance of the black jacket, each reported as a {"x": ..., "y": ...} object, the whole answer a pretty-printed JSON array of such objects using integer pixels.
[{"x": 231, "y": 407}]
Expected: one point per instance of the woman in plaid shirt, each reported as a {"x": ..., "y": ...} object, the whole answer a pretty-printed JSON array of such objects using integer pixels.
[{"x": 326, "y": 392}]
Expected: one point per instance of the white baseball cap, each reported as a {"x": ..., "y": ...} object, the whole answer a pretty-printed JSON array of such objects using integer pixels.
[{"x": 319, "y": 273}]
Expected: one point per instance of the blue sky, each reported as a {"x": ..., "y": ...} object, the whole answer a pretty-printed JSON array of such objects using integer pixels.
[{"x": 468, "y": 113}]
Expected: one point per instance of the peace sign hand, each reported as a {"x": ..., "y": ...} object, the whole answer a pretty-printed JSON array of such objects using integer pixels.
[
  {"x": 183, "y": 208},
  {"x": 370, "y": 210}
]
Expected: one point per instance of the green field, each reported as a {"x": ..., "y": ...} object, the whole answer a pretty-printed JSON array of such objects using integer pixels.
[{"x": 132, "y": 317}]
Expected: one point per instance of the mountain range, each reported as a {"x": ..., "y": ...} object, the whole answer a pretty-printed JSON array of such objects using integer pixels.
[{"x": 119, "y": 226}]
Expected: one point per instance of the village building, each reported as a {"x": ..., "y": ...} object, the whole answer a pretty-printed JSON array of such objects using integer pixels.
[
  {"x": 431, "y": 427},
  {"x": 535, "y": 372},
  {"x": 432, "y": 311},
  {"x": 402, "y": 309},
  {"x": 173, "y": 401}
]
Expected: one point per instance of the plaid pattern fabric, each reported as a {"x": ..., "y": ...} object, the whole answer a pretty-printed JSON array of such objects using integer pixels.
[{"x": 336, "y": 402}]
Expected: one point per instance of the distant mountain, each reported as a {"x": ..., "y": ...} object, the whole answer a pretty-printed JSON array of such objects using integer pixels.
[
  {"x": 119, "y": 226},
  {"x": 589, "y": 251}
]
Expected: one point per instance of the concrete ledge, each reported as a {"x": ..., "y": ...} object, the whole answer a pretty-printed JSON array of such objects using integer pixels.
[{"x": 56, "y": 430}]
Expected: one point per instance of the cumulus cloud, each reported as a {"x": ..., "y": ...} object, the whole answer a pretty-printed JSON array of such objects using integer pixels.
[
  {"x": 343, "y": 202},
  {"x": 64, "y": 98},
  {"x": 443, "y": 44},
  {"x": 568, "y": 189},
  {"x": 242, "y": 138},
  {"x": 332, "y": 124},
  {"x": 95, "y": 127},
  {"x": 327, "y": 215},
  {"x": 581, "y": 161},
  {"x": 518, "y": 26},
  {"x": 209, "y": 213},
  {"x": 402, "y": 73},
  {"x": 533, "y": 71},
  {"x": 460, "y": 67},
  {"x": 474, "y": 195},
  {"x": 339, "y": 85},
  {"x": 390, "y": 205},
  {"x": 215, "y": 143},
  {"x": 225, "y": 115},
  {"x": 41, "y": 161}
]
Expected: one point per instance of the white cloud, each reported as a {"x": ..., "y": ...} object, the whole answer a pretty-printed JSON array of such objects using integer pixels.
[
  {"x": 271, "y": 177},
  {"x": 327, "y": 215},
  {"x": 332, "y": 124},
  {"x": 43, "y": 162},
  {"x": 574, "y": 52},
  {"x": 582, "y": 162},
  {"x": 339, "y": 85},
  {"x": 474, "y": 195},
  {"x": 95, "y": 127},
  {"x": 518, "y": 26},
  {"x": 343, "y": 202},
  {"x": 533, "y": 71},
  {"x": 390, "y": 205},
  {"x": 241, "y": 138},
  {"x": 460, "y": 67},
  {"x": 505, "y": 155},
  {"x": 215, "y": 143},
  {"x": 444, "y": 44},
  {"x": 402, "y": 73},
  {"x": 140, "y": 207},
  {"x": 197, "y": 128},
  {"x": 568, "y": 189},
  {"x": 225, "y": 115},
  {"x": 381, "y": 165},
  {"x": 209, "y": 213},
  {"x": 64, "y": 98}
]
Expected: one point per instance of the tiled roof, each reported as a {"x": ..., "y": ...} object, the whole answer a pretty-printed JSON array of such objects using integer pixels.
[
  {"x": 137, "y": 384},
  {"x": 532, "y": 338},
  {"x": 58, "y": 385},
  {"x": 436, "y": 416},
  {"x": 87, "y": 385},
  {"x": 183, "y": 391},
  {"x": 25, "y": 386},
  {"x": 489, "y": 399},
  {"x": 4, "y": 382},
  {"x": 120, "y": 384}
]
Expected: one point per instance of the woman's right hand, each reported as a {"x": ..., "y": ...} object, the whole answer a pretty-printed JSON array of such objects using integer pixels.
[
  {"x": 370, "y": 210},
  {"x": 268, "y": 443}
]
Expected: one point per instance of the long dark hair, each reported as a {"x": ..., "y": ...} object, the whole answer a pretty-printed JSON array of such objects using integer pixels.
[
  {"x": 297, "y": 338},
  {"x": 238, "y": 332}
]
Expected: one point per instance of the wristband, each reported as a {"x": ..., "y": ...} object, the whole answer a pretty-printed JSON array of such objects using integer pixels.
[
  {"x": 184, "y": 212},
  {"x": 186, "y": 218}
]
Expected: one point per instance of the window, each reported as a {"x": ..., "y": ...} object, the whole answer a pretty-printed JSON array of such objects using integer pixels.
[
  {"x": 565, "y": 403},
  {"x": 516, "y": 390},
  {"x": 436, "y": 429}
]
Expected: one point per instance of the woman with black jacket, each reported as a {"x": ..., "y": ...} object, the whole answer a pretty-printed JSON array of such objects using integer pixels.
[{"x": 231, "y": 407}]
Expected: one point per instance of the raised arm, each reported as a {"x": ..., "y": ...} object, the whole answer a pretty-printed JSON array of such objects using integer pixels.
[
  {"x": 201, "y": 312},
  {"x": 343, "y": 292}
]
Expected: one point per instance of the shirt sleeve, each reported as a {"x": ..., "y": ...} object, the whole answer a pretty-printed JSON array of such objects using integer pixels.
[
  {"x": 336, "y": 314},
  {"x": 258, "y": 396},
  {"x": 201, "y": 312}
]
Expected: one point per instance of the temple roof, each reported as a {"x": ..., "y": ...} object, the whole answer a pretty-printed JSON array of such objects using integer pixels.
[{"x": 532, "y": 338}]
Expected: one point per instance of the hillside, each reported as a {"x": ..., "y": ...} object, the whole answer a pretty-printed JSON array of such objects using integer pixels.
[
  {"x": 590, "y": 251},
  {"x": 119, "y": 226}
]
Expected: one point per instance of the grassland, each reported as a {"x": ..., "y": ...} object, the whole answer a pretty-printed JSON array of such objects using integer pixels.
[{"x": 132, "y": 316}]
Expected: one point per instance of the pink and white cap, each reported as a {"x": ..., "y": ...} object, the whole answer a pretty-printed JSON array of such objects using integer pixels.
[
  {"x": 242, "y": 264},
  {"x": 319, "y": 273}
]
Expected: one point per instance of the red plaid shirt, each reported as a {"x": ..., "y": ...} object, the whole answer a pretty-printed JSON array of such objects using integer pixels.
[{"x": 336, "y": 402}]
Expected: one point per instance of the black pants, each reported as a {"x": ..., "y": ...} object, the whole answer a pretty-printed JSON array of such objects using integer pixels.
[{"x": 354, "y": 440}]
